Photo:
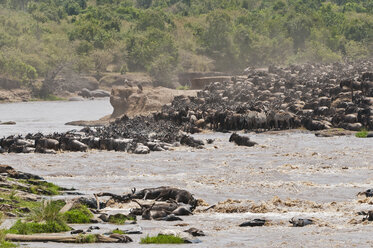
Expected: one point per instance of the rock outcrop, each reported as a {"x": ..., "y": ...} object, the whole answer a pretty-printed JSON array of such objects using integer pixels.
[{"x": 139, "y": 100}]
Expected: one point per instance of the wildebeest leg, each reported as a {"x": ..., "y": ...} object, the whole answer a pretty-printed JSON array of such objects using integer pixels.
[
  {"x": 145, "y": 195},
  {"x": 162, "y": 195}
]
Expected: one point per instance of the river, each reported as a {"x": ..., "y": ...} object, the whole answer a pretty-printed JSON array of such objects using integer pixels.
[
  {"x": 290, "y": 173},
  {"x": 49, "y": 117}
]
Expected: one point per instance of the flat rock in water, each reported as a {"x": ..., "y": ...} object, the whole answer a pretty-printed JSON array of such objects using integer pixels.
[
  {"x": 8, "y": 123},
  {"x": 254, "y": 222}
]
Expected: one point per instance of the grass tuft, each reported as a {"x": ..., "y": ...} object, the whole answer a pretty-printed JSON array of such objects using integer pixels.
[
  {"x": 162, "y": 239},
  {"x": 117, "y": 231},
  {"x": 47, "y": 212},
  {"x": 362, "y": 134}
]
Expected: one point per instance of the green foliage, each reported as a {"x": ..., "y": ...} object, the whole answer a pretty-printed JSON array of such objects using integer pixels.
[
  {"x": 154, "y": 51},
  {"x": 162, "y": 239},
  {"x": 362, "y": 134},
  {"x": 95, "y": 25},
  {"x": 80, "y": 214},
  {"x": 120, "y": 219},
  {"x": 26, "y": 228},
  {"x": 163, "y": 37}
]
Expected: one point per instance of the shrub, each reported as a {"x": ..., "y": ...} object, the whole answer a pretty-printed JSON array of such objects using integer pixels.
[
  {"x": 120, "y": 219},
  {"x": 81, "y": 214}
]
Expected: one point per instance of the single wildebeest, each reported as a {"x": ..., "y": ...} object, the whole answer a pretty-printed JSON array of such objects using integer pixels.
[
  {"x": 165, "y": 193},
  {"x": 241, "y": 140},
  {"x": 299, "y": 222}
]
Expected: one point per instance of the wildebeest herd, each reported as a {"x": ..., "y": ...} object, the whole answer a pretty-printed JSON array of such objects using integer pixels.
[{"x": 314, "y": 96}]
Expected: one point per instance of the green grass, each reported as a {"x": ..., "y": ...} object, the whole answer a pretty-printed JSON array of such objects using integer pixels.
[
  {"x": 90, "y": 238},
  {"x": 37, "y": 187},
  {"x": 117, "y": 231},
  {"x": 183, "y": 87},
  {"x": 3, "y": 243},
  {"x": 78, "y": 215},
  {"x": 26, "y": 228},
  {"x": 6, "y": 244},
  {"x": 45, "y": 188},
  {"x": 362, "y": 134},
  {"x": 162, "y": 239},
  {"x": 120, "y": 219}
]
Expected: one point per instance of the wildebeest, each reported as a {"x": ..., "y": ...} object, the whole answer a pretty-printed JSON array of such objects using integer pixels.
[
  {"x": 165, "y": 193},
  {"x": 241, "y": 140}
]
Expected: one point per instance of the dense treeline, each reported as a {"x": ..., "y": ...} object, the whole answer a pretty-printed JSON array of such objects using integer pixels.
[{"x": 162, "y": 37}]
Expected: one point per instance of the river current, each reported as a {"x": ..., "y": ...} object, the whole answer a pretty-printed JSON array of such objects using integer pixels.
[{"x": 290, "y": 173}]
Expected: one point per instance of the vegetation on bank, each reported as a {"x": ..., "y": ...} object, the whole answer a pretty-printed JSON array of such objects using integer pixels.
[
  {"x": 163, "y": 37},
  {"x": 45, "y": 218},
  {"x": 26, "y": 228},
  {"x": 162, "y": 239}
]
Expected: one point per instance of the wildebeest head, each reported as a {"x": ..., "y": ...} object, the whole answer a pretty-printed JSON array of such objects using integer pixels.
[{"x": 233, "y": 137}]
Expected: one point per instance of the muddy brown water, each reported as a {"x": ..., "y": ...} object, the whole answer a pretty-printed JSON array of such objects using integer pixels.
[{"x": 292, "y": 173}]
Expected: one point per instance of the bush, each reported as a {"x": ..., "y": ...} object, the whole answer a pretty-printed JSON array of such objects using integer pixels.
[
  {"x": 162, "y": 70},
  {"x": 120, "y": 219},
  {"x": 144, "y": 49},
  {"x": 78, "y": 215}
]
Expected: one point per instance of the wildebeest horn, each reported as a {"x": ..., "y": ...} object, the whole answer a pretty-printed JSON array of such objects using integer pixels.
[
  {"x": 152, "y": 206},
  {"x": 173, "y": 201},
  {"x": 133, "y": 190},
  {"x": 291, "y": 220},
  {"x": 137, "y": 203}
]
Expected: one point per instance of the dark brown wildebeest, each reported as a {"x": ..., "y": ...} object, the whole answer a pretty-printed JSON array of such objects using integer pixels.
[{"x": 241, "y": 140}]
